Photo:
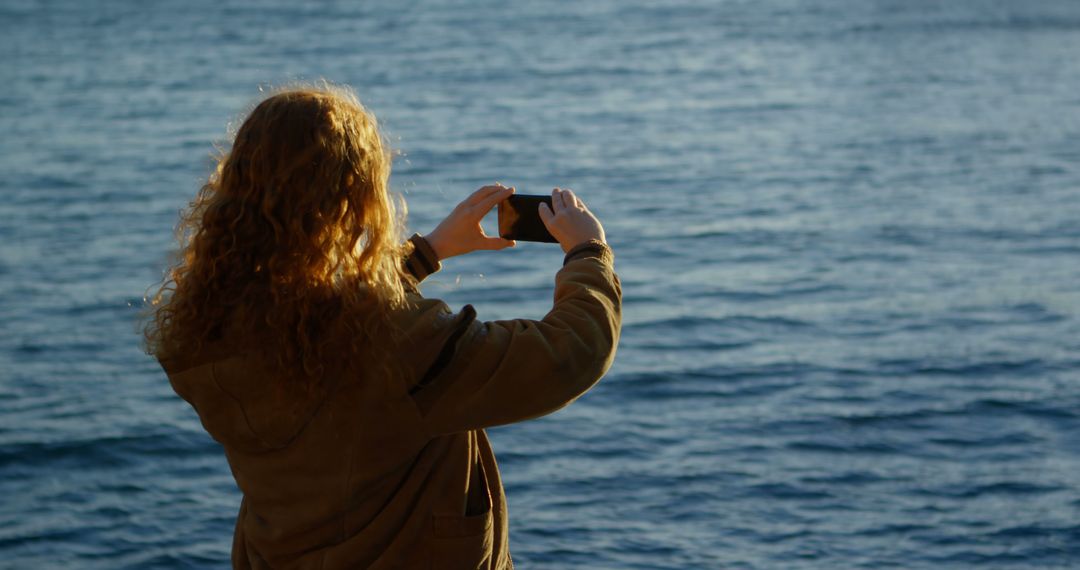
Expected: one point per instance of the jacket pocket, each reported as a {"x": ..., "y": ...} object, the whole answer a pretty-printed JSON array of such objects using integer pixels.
[
  {"x": 462, "y": 527},
  {"x": 465, "y": 541}
]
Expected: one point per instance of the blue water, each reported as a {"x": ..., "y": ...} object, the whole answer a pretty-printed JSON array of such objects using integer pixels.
[{"x": 848, "y": 234}]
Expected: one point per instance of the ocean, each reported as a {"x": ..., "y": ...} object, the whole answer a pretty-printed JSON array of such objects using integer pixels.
[{"x": 848, "y": 234}]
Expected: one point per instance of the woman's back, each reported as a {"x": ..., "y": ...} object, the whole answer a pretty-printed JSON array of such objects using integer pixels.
[{"x": 399, "y": 473}]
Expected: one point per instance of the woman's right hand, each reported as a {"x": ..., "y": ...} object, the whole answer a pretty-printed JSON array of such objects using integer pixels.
[{"x": 571, "y": 222}]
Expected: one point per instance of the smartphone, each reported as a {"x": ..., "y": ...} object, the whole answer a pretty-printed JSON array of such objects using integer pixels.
[{"x": 519, "y": 218}]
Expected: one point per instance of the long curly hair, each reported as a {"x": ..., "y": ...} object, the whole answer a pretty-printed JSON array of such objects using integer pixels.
[{"x": 292, "y": 247}]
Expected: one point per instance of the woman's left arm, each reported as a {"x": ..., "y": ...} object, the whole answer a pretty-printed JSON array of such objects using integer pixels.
[
  {"x": 458, "y": 234},
  {"x": 420, "y": 259},
  {"x": 461, "y": 232}
]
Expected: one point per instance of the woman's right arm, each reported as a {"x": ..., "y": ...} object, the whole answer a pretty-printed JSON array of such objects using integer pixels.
[
  {"x": 499, "y": 372},
  {"x": 492, "y": 373}
]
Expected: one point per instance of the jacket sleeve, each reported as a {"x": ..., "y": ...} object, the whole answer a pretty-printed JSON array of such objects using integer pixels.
[
  {"x": 420, "y": 259},
  {"x": 499, "y": 372}
]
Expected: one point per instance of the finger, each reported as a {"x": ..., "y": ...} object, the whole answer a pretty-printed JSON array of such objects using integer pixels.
[
  {"x": 545, "y": 214},
  {"x": 572, "y": 199},
  {"x": 557, "y": 200},
  {"x": 489, "y": 201},
  {"x": 484, "y": 191},
  {"x": 476, "y": 196},
  {"x": 495, "y": 243}
]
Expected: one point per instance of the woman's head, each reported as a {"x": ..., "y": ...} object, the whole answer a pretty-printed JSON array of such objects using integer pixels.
[
  {"x": 305, "y": 184},
  {"x": 293, "y": 240}
]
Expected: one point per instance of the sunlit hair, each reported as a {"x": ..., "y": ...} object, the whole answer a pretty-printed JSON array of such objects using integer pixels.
[{"x": 292, "y": 247}]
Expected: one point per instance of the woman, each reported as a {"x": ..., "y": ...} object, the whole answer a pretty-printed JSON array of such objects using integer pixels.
[{"x": 351, "y": 409}]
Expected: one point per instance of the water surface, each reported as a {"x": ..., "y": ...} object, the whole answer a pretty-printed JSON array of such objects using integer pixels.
[{"x": 847, "y": 233}]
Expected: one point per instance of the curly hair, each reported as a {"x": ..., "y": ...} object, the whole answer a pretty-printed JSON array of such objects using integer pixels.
[{"x": 292, "y": 247}]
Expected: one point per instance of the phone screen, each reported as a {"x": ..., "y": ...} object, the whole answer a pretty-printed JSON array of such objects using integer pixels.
[{"x": 519, "y": 218}]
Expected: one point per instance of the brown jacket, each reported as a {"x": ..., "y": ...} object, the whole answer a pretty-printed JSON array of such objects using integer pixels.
[{"x": 384, "y": 474}]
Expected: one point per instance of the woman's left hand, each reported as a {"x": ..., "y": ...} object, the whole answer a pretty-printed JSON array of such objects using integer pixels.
[{"x": 461, "y": 233}]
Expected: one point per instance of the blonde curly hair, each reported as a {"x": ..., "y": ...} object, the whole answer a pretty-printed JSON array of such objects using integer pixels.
[{"x": 293, "y": 245}]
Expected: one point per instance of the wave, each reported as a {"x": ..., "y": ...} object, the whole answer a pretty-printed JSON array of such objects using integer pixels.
[
  {"x": 113, "y": 451},
  {"x": 686, "y": 324}
]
